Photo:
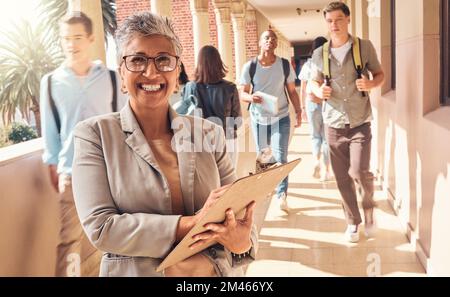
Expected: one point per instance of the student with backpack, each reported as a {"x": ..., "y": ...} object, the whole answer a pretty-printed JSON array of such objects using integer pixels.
[
  {"x": 217, "y": 98},
  {"x": 313, "y": 107},
  {"x": 341, "y": 79},
  {"x": 273, "y": 78},
  {"x": 80, "y": 88}
]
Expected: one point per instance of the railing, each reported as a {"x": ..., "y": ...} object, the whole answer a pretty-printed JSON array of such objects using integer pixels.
[{"x": 28, "y": 212}]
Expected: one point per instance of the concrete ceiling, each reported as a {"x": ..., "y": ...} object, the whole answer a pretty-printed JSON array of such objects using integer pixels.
[{"x": 283, "y": 15}]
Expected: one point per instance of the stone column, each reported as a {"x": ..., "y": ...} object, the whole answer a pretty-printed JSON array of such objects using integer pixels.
[
  {"x": 93, "y": 9},
  {"x": 351, "y": 5},
  {"x": 362, "y": 19},
  {"x": 223, "y": 21},
  {"x": 280, "y": 48},
  {"x": 200, "y": 28},
  {"x": 238, "y": 18},
  {"x": 161, "y": 7}
]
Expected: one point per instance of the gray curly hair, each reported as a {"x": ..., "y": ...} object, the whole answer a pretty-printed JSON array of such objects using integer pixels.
[{"x": 145, "y": 24}]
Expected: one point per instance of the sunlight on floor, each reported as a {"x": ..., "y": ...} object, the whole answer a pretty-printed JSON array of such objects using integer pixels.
[{"x": 308, "y": 241}]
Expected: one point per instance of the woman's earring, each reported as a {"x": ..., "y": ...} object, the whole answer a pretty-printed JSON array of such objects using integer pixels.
[{"x": 123, "y": 89}]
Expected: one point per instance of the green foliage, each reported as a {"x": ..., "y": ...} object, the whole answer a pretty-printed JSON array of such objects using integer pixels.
[
  {"x": 4, "y": 137},
  {"x": 26, "y": 54},
  {"x": 20, "y": 132}
]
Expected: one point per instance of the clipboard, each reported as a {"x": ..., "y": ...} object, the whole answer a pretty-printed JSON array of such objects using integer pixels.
[{"x": 243, "y": 191}]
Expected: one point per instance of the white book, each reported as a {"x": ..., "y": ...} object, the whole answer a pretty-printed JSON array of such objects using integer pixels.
[{"x": 269, "y": 102}]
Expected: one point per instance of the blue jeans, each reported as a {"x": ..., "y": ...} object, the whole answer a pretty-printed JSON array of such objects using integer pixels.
[
  {"x": 277, "y": 137},
  {"x": 318, "y": 139}
]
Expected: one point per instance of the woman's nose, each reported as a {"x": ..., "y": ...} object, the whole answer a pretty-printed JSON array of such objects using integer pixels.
[{"x": 151, "y": 69}]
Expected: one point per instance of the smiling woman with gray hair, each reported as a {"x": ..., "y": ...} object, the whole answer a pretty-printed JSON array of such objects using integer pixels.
[{"x": 138, "y": 192}]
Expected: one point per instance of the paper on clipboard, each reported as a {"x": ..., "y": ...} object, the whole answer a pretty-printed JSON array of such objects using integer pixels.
[
  {"x": 243, "y": 191},
  {"x": 269, "y": 102}
]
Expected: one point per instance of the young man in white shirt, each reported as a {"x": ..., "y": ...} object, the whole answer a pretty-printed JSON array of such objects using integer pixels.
[{"x": 80, "y": 88}]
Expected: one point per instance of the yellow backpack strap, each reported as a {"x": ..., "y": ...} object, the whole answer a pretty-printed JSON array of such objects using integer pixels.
[
  {"x": 357, "y": 60},
  {"x": 326, "y": 61},
  {"x": 356, "y": 52}
]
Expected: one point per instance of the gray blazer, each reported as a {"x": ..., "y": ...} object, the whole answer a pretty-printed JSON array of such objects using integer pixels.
[{"x": 123, "y": 199}]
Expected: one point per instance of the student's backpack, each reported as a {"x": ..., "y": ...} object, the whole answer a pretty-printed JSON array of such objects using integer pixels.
[
  {"x": 357, "y": 60},
  {"x": 114, "y": 106},
  {"x": 252, "y": 72}
]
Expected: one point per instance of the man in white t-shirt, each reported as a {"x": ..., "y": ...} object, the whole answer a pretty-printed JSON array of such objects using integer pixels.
[{"x": 271, "y": 75}]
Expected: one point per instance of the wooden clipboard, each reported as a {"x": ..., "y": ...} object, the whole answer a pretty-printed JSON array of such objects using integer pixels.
[{"x": 243, "y": 191}]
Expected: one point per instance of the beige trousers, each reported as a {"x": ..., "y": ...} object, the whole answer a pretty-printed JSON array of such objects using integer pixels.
[{"x": 75, "y": 254}]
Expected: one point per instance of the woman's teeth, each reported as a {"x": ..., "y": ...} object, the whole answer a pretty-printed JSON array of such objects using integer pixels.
[{"x": 150, "y": 88}]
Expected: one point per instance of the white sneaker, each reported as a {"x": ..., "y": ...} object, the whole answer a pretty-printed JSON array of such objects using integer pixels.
[
  {"x": 282, "y": 202},
  {"x": 316, "y": 172},
  {"x": 370, "y": 230},
  {"x": 352, "y": 233}
]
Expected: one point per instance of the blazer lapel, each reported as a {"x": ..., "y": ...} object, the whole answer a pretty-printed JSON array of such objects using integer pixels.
[{"x": 136, "y": 139}]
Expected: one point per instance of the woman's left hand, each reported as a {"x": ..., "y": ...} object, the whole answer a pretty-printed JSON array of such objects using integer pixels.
[{"x": 233, "y": 234}]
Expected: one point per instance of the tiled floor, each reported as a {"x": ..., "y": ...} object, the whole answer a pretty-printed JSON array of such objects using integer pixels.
[{"x": 308, "y": 240}]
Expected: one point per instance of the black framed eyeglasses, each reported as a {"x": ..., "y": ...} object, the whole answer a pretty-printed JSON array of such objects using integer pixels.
[{"x": 139, "y": 63}]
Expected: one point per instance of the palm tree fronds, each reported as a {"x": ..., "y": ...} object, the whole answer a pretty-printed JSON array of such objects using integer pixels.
[{"x": 26, "y": 55}]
